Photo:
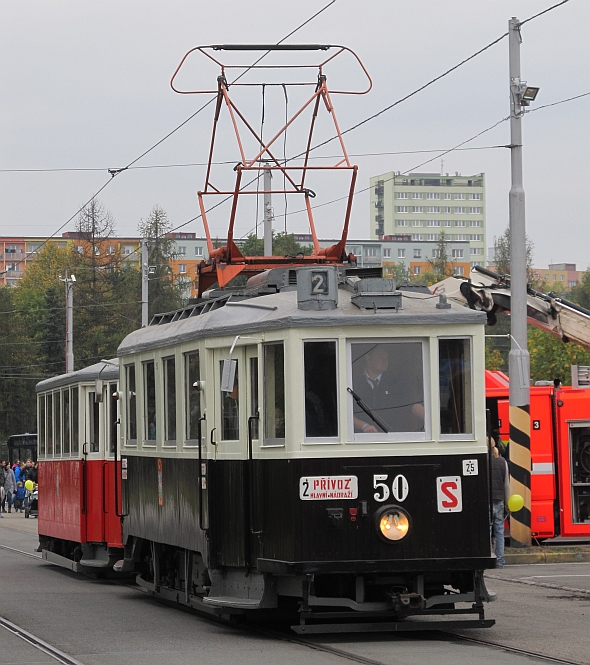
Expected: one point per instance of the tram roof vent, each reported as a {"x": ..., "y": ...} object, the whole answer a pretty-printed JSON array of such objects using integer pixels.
[{"x": 374, "y": 293}]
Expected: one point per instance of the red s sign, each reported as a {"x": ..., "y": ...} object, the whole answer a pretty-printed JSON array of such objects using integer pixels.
[{"x": 449, "y": 495}]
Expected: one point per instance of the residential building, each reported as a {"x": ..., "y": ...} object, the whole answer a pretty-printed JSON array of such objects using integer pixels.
[
  {"x": 558, "y": 276},
  {"x": 428, "y": 204}
]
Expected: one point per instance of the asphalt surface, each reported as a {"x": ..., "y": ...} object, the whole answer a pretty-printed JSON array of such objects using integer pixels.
[{"x": 100, "y": 622}]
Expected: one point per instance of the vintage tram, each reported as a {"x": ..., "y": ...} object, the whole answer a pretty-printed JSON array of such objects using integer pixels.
[
  {"x": 79, "y": 516},
  {"x": 314, "y": 443}
]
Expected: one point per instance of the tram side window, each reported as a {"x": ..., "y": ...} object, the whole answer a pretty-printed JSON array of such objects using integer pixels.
[
  {"x": 49, "y": 407},
  {"x": 94, "y": 422},
  {"x": 454, "y": 370},
  {"x": 57, "y": 420},
  {"x": 254, "y": 403},
  {"x": 274, "y": 391},
  {"x": 131, "y": 405},
  {"x": 321, "y": 401},
  {"x": 170, "y": 399},
  {"x": 388, "y": 385},
  {"x": 230, "y": 410},
  {"x": 41, "y": 426},
  {"x": 149, "y": 407},
  {"x": 75, "y": 421},
  {"x": 112, "y": 418},
  {"x": 65, "y": 400},
  {"x": 193, "y": 396}
]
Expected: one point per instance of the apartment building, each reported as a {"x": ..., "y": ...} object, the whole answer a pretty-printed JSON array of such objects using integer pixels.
[{"x": 424, "y": 205}]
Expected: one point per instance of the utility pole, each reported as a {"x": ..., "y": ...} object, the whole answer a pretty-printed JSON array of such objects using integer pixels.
[
  {"x": 519, "y": 361},
  {"x": 144, "y": 282},
  {"x": 268, "y": 216},
  {"x": 69, "y": 282}
]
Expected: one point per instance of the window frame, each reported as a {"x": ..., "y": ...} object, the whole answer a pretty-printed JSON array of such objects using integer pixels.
[
  {"x": 147, "y": 442},
  {"x": 169, "y": 442},
  {"x": 463, "y": 436},
  {"x": 390, "y": 437},
  {"x": 322, "y": 440},
  {"x": 189, "y": 391}
]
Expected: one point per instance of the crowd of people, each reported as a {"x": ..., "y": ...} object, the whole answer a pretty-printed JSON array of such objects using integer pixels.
[{"x": 12, "y": 484}]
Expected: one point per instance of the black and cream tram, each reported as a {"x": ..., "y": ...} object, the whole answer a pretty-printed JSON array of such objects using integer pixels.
[{"x": 319, "y": 449}]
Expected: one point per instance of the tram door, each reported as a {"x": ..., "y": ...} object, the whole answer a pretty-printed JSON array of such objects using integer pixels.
[
  {"x": 236, "y": 399},
  {"x": 94, "y": 471},
  {"x": 112, "y": 524}
]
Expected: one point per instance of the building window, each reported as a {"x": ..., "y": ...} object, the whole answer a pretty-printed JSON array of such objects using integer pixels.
[
  {"x": 460, "y": 222},
  {"x": 198, "y": 251},
  {"x": 433, "y": 209},
  {"x": 546, "y": 277},
  {"x": 96, "y": 250},
  {"x": 475, "y": 263},
  {"x": 476, "y": 251},
  {"x": 386, "y": 253},
  {"x": 402, "y": 209},
  {"x": 79, "y": 249},
  {"x": 416, "y": 195},
  {"x": 457, "y": 253},
  {"x": 447, "y": 223},
  {"x": 417, "y": 270},
  {"x": 562, "y": 278},
  {"x": 475, "y": 222},
  {"x": 370, "y": 251},
  {"x": 417, "y": 222},
  {"x": 434, "y": 222},
  {"x": 447, "y": 197},
  {"x": 461, "y": 236},
  {"x": 401, "y": 222},
  {"x": 447, "y": 209},
  {"x": 417, "y": 209},
  {"x": 475, "y": 197},
  {"x": 402, "y": 195},
  {"x": 127, "y": 249},
  {"x": 110, "y": 250},
  {"x": 460, "y": 210},
  {"x": 417, "y": 236},
  {"x": 572, "y": 283},
  {"x": 458, "y": 270},
  {"x": 401, "y": 253},
  {"x": 12, "y": 267},
  {"x": 433, "y": 195},
  {"x": 476, "y": 237},
  {"x": 431, "y": 236},
  {"x": 182, "y": 251},
  {"x": 460, "y": 197},
  {"x": 182, "y": 268},
  {"x": 475, "y": 211},
  {"x": 417, "y": 253}
]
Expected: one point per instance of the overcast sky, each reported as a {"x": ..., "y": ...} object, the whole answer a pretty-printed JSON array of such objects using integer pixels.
[{"x": 86, "y": 85}]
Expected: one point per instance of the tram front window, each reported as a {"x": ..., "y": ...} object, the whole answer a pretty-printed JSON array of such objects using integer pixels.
[
  {"x": 387, "y": 387},
  {"x": 321, "y": 402},
  {"x": 454, "y": 371}
]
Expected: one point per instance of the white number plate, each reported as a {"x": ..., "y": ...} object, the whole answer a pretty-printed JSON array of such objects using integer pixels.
[
  {"x": 315, "y": 488},
  {"x": 470, "y": 467}
]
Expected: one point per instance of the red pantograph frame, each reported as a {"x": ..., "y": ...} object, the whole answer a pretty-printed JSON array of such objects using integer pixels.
[{"x": 226, "y": 262}]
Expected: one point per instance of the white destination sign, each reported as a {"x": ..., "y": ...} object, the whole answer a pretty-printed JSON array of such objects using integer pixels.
[{"x": 314, "y": 488}]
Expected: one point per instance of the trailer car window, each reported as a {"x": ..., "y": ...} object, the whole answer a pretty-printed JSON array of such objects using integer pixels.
[
  {"x": 57, "y": 419},
  {"x": 112, "y": 418},
  {"x": 65, "y": 400},
  {"x": 274, "y": 391},
  {"x": 170, "y": 397},
  {"x": 254, "y": 397},
  {"x": 75, "y": 422},
  {"x": 454, "y": 371},
  {"x": 388, "y": 385},
  {"x": 321, "y": 401},
  {"x": 94, "y": 416},
  {"x": 193, "y": 396},
  {"x": 49, "y": 403},
  {"x": 41, "y": 425}
]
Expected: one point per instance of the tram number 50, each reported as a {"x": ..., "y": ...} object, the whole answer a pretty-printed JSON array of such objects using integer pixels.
[{"x": 399, "y": 488}]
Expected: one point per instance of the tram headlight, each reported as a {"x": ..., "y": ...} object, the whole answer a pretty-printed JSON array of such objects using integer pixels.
[{"x": 393, "y": 523}]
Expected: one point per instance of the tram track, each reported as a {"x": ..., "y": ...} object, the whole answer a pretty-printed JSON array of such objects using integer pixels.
[
  {"x": 38, "y": 643},
  {"x": 301, "y": 641}
]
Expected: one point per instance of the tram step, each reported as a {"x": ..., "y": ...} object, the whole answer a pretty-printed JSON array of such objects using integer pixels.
[
  {"x": 95, "y": 563},
  {"x": 232, "y": 601}
]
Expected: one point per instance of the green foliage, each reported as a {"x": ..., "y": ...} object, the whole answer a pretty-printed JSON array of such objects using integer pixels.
[
  {"x": 581, "y": 293},
  {"x": 551, "y": 358},
  {"x": 283, "y": 244},
  {"x": 502, "y": 255},
  {"x": 440, "y": 267}
]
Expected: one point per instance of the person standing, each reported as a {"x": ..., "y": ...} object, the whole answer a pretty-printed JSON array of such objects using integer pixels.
[
  {"x": 9, "y": 486},
  {"x": 2, "y": 493},
  {"x": 500, "y": 494}
]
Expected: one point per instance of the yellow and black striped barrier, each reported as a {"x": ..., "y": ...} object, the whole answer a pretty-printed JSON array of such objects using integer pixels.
[{"x": 520, "y": 474}]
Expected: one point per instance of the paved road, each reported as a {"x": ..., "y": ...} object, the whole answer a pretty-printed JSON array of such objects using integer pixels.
[{"x": 100, "y": 622}]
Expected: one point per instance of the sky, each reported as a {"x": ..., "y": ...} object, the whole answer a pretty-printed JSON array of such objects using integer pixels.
[{"x": 87, "y": 85}]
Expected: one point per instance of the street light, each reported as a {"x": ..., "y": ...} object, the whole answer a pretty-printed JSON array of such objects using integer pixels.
[{"x": 530, "y": 94}]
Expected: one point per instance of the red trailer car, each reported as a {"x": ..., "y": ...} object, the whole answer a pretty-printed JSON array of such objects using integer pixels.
[{"x": 79, "y": 478}]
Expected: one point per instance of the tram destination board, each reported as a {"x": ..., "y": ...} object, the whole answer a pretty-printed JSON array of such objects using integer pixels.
[{"x": 316, "y": 488}]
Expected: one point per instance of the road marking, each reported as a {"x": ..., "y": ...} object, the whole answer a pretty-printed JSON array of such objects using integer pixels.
[{"x": 38, "y": 643}]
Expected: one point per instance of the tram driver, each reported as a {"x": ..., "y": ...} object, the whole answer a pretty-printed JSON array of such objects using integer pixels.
[{"x": 388, "y": 395}]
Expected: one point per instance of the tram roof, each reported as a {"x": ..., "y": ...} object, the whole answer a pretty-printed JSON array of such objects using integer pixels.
[
  {"x": 104, "y": 370},
  {"x": 228, "y": 316}
]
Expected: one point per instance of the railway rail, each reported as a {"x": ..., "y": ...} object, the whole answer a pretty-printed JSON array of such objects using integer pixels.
[{"x": 287, "y": 636}]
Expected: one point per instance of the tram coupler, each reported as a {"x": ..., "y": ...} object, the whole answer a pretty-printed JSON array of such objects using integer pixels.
[{"x": 407, "y": 603}]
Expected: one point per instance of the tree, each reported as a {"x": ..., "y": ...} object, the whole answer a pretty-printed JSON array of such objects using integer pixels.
[
  {"x": 440, "y": 267},
  {"x": 283, "y": 244},
  {"x": 551, "y": 358},
  {"x": 581, "y": 293},
  {"x": 502, "y": 255},
  {"x": 164, "y": 294},
  {"x": 401, "y": 273}
]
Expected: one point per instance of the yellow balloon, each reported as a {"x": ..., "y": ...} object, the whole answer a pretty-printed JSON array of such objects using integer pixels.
[
  {"x": 29, "y": 484},
  {"x": 515, "y": 503}
]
